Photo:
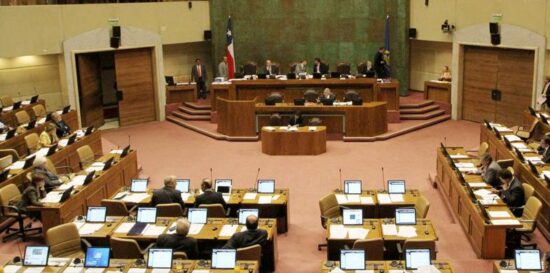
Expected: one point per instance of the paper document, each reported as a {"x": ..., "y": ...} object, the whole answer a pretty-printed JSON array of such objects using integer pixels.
[
  {"x": 365, "y": 271},
  {"x": 508, "y": 271},
  {"x": 52, "y": 197},
  {"x": 73, "y": 269},
  {"x": 34, "y": 270},
  {"x": 269, "y": 128},
  {"x": 226, "y": 198},
  {"x": 16, "y": 165},
  {"x": 338, "y": 232},
  {"x": 63, "y": 142},
  {"x": 477, "y": 184},
  {"x": 465, "y": 165},
  {"x": 159, "y": 270},
  {"x": 488, "y": 201},
  {"x": 459, "y": 156},
  {"x": 544, "y": 173},
  {"x": 94, "y": 270},
  {"x": 384, "y": 198},
  {"x": 200, "y": 271},
  {"x": 341, "y": 198},
  {"x": 124, "y": 228},
  {"x": 195, "y": 229},
  {"x": 153, "y": 230},
  {"x": 389, "y": 229},
  {"x": 41, "y": 121},
  {"x": 78, "y": 180},
  {"x": 3, "y": 137},
  {"x": 137, "y": 270},
  {"x": 89, "y": 228},
  {"x": 396, "y": 197},
  {"x": 536, "y": 160},
  {"x": 185, "y": 196},
  {"x": 94, "y": 168},
  {"x": 358, "y": 233},
  {"x": 116, "y": 151},
  {"x": 58, "y": 261},
  {"x": 337, "y": 270},
  {"x": 353, "y": 198},
  {"x": 407, "y": 231},
  {"x": 42, "y": 152},
  {"x": 79, "y": 223},
  {"x": 366, "y": 200},
  {"x": 250, "y": 196},
  {"x": 427, "y": 269},
  {"x": 498, "y": 214},
  {"x": 7, "y": 109},
  {"x": 312, "y": 128},
  {"x": 482, "y": 192},
  {"x": 502, "y": 129},
  {"x": 275, "y": 197},
  {"x": 135, "y": 197},
  {"x": 264, "y": 200},
  {"x": 512, "y": 138},
  {"x": 11, "y": 268},
  {"x": 120, "y": 194},
  {"x": 228, "y": 230},
  {"x": 505, "y": 222}
]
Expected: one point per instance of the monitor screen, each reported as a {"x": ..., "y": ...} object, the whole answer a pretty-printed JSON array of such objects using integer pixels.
[
  {"x": 159, "y": 258},
  {"x": 139, "y": 185},
  {"x": 405, "y": 216},
  {"x": 396, "y": 186},
  {"x": 352, "y": 259},
  {"x": 97, "y": 257},
  {"x": 36, "y": 256},
  {"x": 224, "y": 258},
  {"x": 182, "y": 185},
  {"x": 528, "y": 259},
  {"x": 96, "y": 214},
  {"x": 243, "y": 213},
  {"x": 197, "y": 215},
  {"x": 266, "y": 185},
  {"x": 415, "y": 258},
  {"x": 147, "y": 215},
  {"x": 352, "y": 187},
  {"x": 223, "y": 185},
  {"x": 352, "y": 217}
]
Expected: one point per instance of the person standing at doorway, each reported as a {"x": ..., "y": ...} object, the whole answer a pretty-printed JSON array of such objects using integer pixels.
[{"x": 198, "y": 74}]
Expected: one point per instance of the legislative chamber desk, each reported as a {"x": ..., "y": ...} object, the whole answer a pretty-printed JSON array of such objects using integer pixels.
[
  {"x": 487, "y": 236},
  {"x": 395, "y": 266},
  {"x": 210, "y": 235},
  {"x": 18, "y": 141},
  {"x": 509, "y": 268},
  {"x": 63, "y": 264},
  {"x": 438, "y": 91},
  {"x": 8, "y": 117},
  {"x": 181, "y": 93},
  {"x": 499, "y": 151},
  {"x": 66, "y": 158},
  {"x": 367, "y": 88},
  {"x": 341, "y": 236},
  {"x": 277, "y": 207},
  {"x": 303, "y": 141},
  {"x": 377, "y": 203},
  {"x": 104, "y": 185}
]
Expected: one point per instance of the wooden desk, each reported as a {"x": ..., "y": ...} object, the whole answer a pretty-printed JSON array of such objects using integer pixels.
[
  {"x": 385, "y": 266},
  {"x": 103, "y": 186},
  {"x": 181, "y": 93},
  {"x": 372, "y": 207},
  {"x": 438, "y": 91},
  {"x": 376, "y": 229},
  {"x": 499, "y": 151},
  {"x": 511, "y": 266},
  {"x": 367, "y": 88},
  {"x": 301, "y": 142},
  {"x": 9, "y": 118},
  {"x": 487, "y": 239}
]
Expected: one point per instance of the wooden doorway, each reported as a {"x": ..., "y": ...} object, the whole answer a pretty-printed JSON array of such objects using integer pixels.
[
  {"x": 89, "y": 88},
  {"x": 497, "y": 84}
]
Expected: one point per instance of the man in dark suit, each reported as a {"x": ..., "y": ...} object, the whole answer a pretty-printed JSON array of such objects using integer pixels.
[
  {"x": 209, "y": 196},
  {"x": 489, "y": 171},
  {"x": 251, "y": 236},
  {"x": 179, "y": 241},
  {"x": 61, "y": 128},
  {"x": 544, "y": 150},
  {"x": 320, "y": 67},
  {"x": 198, "y": 74},
  {"x": 296, "y": 120},
  {"x": 380, "y": 63},
  {"x": 270, "y": 69},
  {"x": 512, "y": 192},
  {"x": 168, "y": 194}
]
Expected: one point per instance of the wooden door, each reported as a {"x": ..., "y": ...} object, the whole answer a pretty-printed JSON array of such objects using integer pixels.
[
  {"x": 480, "y": 77},
  {"x": 89, "y": 90},
  {"x": 134, "y": 77}
]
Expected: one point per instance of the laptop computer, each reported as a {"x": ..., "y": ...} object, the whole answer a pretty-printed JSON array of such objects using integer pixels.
[
  {"x": 52, "y": 150},
  {"x": 352, "y": 259},
  {"x": 96, "y": 215},
  {"x": 4, "y": 175},
  {"x": 145, "y": 216},
  {"x": 405, "y": 216},
  {"x": 353, "y": 187},
  {"x": 224, "y": 258},
  {"x": 197, "y": 215},
  {"x": 49, "y": 116},
  {"x": 108, "y": 164},
  {"x": 89, "y": 178},
  {"x": 224, "y": 186},
  {"x": 533, "y": 168},
  {"x": 160, "y": 258},
  {"x": 182, "y": 185},
  {"x": 527, "y": 259},
  {"x": 66, "y": 194},
  {"x": 415, "y": 258},
  {"x": 139, "y": 185},
  {"x": 31, "y": 125},
  {"x": 34, "y": 99},
  {"x": 352, "y": 216},
  {"x": 519, "y": 154},
  {"x": 299, "y": 101},
  {"x": 28, "y": 162},
  {"x": 36, "y": 255},
  {"x": 266, "y": 186},
  {"x": 97, "y": 257},
  {"x": 16, "y": 105},
  {"x": 244, "y": 213},
  {"x": 169, "y": 80},
  {"x": 125, "y": 151},
  {"x": 89, "y": 130},
  {"x": 10, "y": 134},
  {"x": 326, "y": 101},
  {"x": 66, "y": 109},
  {"x": 72, "y": 139},
  {"x": 396, "y": 186}
]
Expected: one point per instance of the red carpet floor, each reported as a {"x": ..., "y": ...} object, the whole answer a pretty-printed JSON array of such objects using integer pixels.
[{"x": 165, "y": 149}]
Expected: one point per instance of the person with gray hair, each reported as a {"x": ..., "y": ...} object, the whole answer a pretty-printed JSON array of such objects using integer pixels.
[
  {"x": 168, "y": 194},
  {"x": 179, "y": 241},
  {"x": 209, "y": 196},
  {"x": 489, "y": 171},
  {"x": 251, "y": 236},
  {"x": 51, "y": 180}
]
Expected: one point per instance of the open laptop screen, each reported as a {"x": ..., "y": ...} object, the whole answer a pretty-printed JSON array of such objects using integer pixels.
[
  {"x": 182, "y": 185},
  {"x": 266, "y": 185},
  {"x": 396, "y": 186},
  {"x": 96, "y": 214},
  {"x": 97, "y": 257},
  {"x": 223, "y": 185},
  {"x": 159, "y": 258},
  {"x": 36, "y": 256},
  {"x": 528, "y": 259},
  {"x": 147, "y": 215},
  {"x": 197, "y": 215},
  {"x": 139, "y": 185},
  {"x": 244, "y": 213},
  {"x": 352, "y": 187},
  {"x": 352, "y": 259},
  {"x": 405, "y": 216},
  {"x": 224, "y": 258},
  {"x": 415, "y": 258},
  {"x": 352, "y": 216}
]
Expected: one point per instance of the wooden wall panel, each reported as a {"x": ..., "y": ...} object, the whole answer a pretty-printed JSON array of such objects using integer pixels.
[{"x": 480, "y": 77}]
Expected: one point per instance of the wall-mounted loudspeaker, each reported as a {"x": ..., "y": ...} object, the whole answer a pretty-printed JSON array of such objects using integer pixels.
[
  {"x": 115, "y": 42},
  {"x": 412, "y": 33},
  {"x": 495, "y": 39},
  {"x": 115, "y": 37},
  {"x": 493, "y": 28}
]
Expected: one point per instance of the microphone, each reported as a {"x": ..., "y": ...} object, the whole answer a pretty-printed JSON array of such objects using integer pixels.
[
  {"x": 445, "y": 140},
  {"x": 211, "y": 175},
  {"x": 257, "y": 175},
  {"x": 383, "y": 179},
  {"x": 129, "y": 138},
  {"x": 340, "y": 181}
]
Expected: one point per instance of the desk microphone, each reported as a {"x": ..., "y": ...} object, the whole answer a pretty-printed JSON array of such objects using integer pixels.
[
  {"x": 383, "y": 179},
  {"x": 19, "y": 94},
  {"x": 445, "y": 140},
  {"x": 129, "y": 138},
  {"x": 340, "y": 181},
  {"x": 255, "y": 182},
  {"x": 211, "y": 175}
]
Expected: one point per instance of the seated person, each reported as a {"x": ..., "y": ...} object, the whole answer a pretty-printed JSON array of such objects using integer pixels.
[
  {"x": 489, "y": 170},
  {"x": 179, "y": 241},
  {"x": 327, "y": 95},
  {"x": 446, "y": 74},
  {"x": 296, "y": 120},
  {"x": 512, "y": 192},
  {"x": 301, "y": 67},
  {"x": 209, "y": 196},
  {"x": 543, "y": 149},
  {"x": 62, "y": 129},
  {"x": 51, "y": 180},
  {"x": 31, "y": 196},
  {"x": 251, "y": 236},
  {"x": 270, "y": 69},
  {"x": 168, "y": 194},
  {"x": 48, "y": 137},
  {"x": 3, "y": 128}
]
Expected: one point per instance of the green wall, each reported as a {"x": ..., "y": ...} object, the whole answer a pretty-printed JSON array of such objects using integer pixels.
[{"x": 286, "y": 31}]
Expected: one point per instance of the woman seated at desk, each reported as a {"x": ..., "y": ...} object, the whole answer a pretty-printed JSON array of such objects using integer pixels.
[
  {"x": 48, "y": 137},
  {"x": 51, "y": 180},
  {"x": 327, "y": 96},
  {"x": 446, "y": 74},
  {"x": 31, "y": 196}
]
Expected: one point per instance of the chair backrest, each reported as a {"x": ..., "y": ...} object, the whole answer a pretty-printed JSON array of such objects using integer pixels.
[
  {"x": 276, "y": 96},
  {"x": 311, "y": 95},
  {"x": 125, "y": 248},
  {"x": 179, "y": 255},
  {"x": 505, "y": 163},
  {"x": 63, "y": 240},
  {"x": 5, "y": 161},
  {"x": 292, "y": 68},
  {"x": 6, "y": 101},
  {"x": 250, "y": 68},
  {"x": 511, "y": 169},
  {"x": 214, "y": 210},
  {"x": 250, "y": 253},
  {"x": 362, "y": 68},
  {"x": 420, "y": 243},
  {"x": 22, "y": 117},
  {"x": 532, "y": 209},
  {"x": 528, "y": 190},
  {"x": 9, "y": 193},
  {"x": 422, "y": 206},
  {"x": 12, "y": 152},
  {"x": 50, "y": 166},
  {"x": 115, "y": 207},
  {"x": 33, "y": 142},
  {"x": 343, "y": 68},
  {"x": 169, "y": 210},
  {"x": 329, "y": 207},
  {"x": 350, "y": 95},
  {"x": 374, "y": 248},
  {"x": 39, "y": 110},
  {"x": 314, "y": 122},
  {"x": 85, "y": 155},
  {"x": 483, "y": 147},
  {"x": 276, "y": 66},
  {"x": 275, "y": 120}
]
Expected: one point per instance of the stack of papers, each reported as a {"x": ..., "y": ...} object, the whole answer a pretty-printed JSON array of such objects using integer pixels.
[
  {"x": 500, "y": 128},
  {"x": 228, "y": 230},
  {"x": 407, "y": 231},
  {"x": 498, "y": 214},
  {"x": 124, "y": 228},
  {"x": 512, "y": 138},
  {"x": 195, "y": 229},
  {"x": 185, "y": 196},
  {"x": 482, "y": 192},
  {"x": 63, "y": 142},
  {"x": 338, "y": 232},
  {"x": 52, "y": 197},
  {"x": 137, "y": 270},
  {"x": 477, "y": 184},
  {"x": 250, "y": 196},
  {"x": 97, "y": 166},
  {"x": 544, "y": 173},
  {"x": 459, "y": 156},
  {"x": 521, "y": 146},
  {"x": 89, "y": 228},
  {"x": 505, "y": 222},
  {"x": 389, "y": 229},
  {"x": 535, "y": 160},
  {"x": 135, "y": 197},
  {"x": 76, "y": 181},
  {"x": 466, "y": 167},
  {"x": 11, "y": 268},
  {"x": 264, "y": 199},
  {"x": 94, "y": 270},
  {"x": 384, "y": 198},
  {"x": 153, "y": 230},
  {"x": 357, "y": 233}
]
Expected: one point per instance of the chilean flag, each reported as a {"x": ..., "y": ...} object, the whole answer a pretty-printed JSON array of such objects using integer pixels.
[{"x": 229, "y": 51}]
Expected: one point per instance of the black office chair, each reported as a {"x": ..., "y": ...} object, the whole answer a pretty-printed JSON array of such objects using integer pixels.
[
  {"x": 273, "y": 98},
  {"x": 250, "y": 68},
  {"x": 311, "y": 95},
  {"x": 275, "y": 120},
  {"x": 343, "y": 68},
  {"x": 351, "y": 95}
]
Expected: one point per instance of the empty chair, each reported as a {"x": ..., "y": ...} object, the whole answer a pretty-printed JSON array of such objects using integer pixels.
[
  {"x": 273, "y": 98},
  {"x": 374, "y": 248},
  {"x": 526, "y": 135},
  {"x": 32, "y": 141},
  {"x": 51, "y": 167},
  {"x": 275, "y": 120},
  {"x": 351, "y": 95},
  {"x": 505, "y": 163},
  {"x": 214, "y": 210},
  {"x": 275, "y": 67},
  {"x": 362, "y": 68},
  {"x": 528, "y": 219},
  {"x": 64, "y": 241},
  {"x": 86, "y": 156},
  {"x": 528, "y": 190},
  {"x": 5, "y": 161},
  {"x": 180, "y": 255},
  {"x": 343, "y": 68},
  {"x": 314, "y": 122},
  {"x": 6, "y": 101},
  {"x": 126, "y": 249},
  {"x": 22, "y": 117},
  {"x": 12, "y": 152},
  {"x": 250, "y": 253},
  {"x": 250, "y": 68},
  {"x": 329, "y": 207},
  {"x": 311, "y": 95},
  {"x": 115, "y": 207},
  {"x": 169, "y": 210},
  {"x": 292, "y": 67},
  {"x": 10, "y": 194},
  {"x": 422, "y": 206},
  {"x": 39, "y": 110},
  {"x": 418, "y": 244}
]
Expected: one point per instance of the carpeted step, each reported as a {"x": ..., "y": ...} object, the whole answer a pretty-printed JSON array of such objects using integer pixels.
[
  {"x": 193, "y": 111},
  {"x": 423, "y": 116},
  {"x": 416, "y": 105},
  {"x": 186, "y": 116},
  {"x": 214, "y": 135},
  {"x": 197, "y": 106},
  {"x": 421, "y": 110}
]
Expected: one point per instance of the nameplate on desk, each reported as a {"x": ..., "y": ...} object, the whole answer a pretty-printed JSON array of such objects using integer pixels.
[{"x": 505, "y": 222}]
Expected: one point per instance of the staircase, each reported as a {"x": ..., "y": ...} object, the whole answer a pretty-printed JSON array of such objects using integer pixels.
[
  {"x": 422, "y": 111},
  {"x": 192, "y": 111}
]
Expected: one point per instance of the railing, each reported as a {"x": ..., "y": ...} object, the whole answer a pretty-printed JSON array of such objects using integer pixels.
[{"x": 62, "y": 2}]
